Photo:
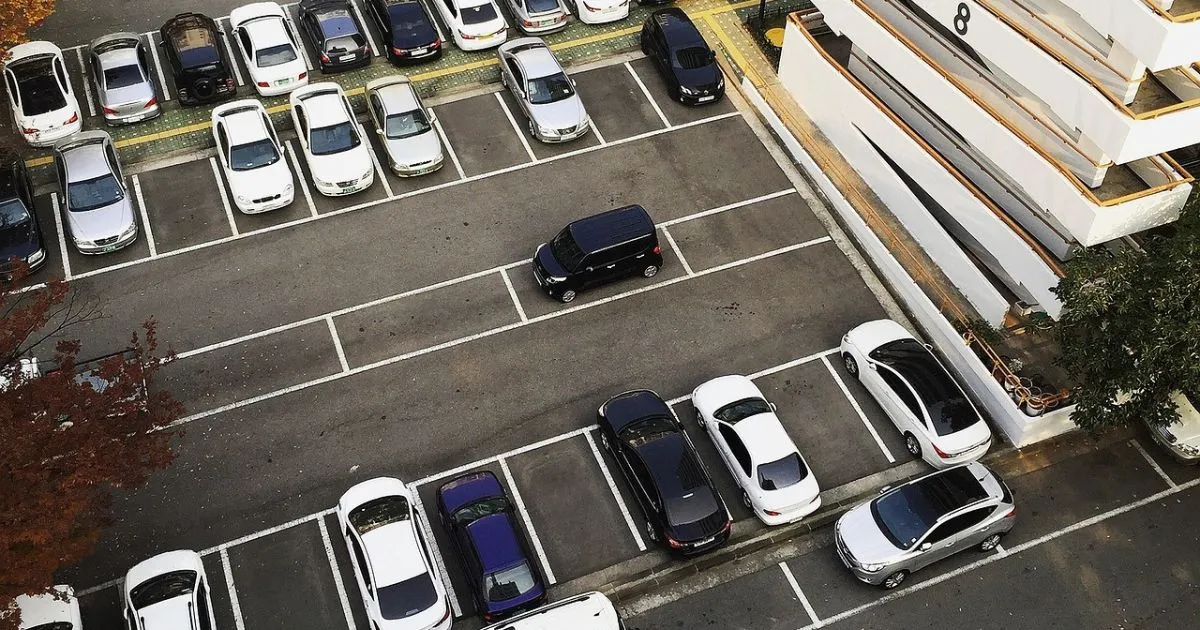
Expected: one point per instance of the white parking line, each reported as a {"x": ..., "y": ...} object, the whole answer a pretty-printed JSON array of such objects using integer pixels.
[
  {"x": 312, "y": 208},
  {"x": 233, "y": 596},
  {"x": 596, "y": 130},
  {"x": 791, "y": 364},
  {"x": 513, "y": 293},
  {"x": 233, "y": 59},
  {"x": 337, "y": 344},
  {"x": 533, "y": 537},
  {"x": 520, "y": 134},
  {"x": 158, "y": 68},
  {"x": 427, "y": 529},
  {"x": 486, "y": 461},
  {"x": 661, "y": 116},
  {"x": 287, "y": 18},
  {"x": 612, "y": 486},
  {"x": 1153, "y": 464},
  {"x": 437, "y": 124},
  {"x": 857, "y": 409},
  {"x": 1001, "y": 550},
  {"x": 62, "y": 236},
  {"x": 678, "y": 252},
  {"x": 87, "y": 84},
  {"x": 726, "y": 207},
  {"x": 812, "y": 614},
  {"x": 380, "y": 175},
  {"x": 224, "y": 197},
  {"x": 366, "y": 28},
  {"x": 141, "y": 202},
  {"x": 337, "y": 574}
]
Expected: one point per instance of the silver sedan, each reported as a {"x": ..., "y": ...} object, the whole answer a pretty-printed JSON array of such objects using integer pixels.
[
  {"x": 99, "y": 215},
  {"x": 404, "y": 127},
  {"x": 545, "y": 93},
  {"x": 121, "y": 76}
]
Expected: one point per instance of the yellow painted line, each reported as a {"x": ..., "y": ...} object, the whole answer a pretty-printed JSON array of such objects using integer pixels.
[
  {"x": 705, "y": 15},
  {"x": 729, "y": 45}
]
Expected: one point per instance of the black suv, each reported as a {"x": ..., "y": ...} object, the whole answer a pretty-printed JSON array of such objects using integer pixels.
[
  {"x": 20, "y": 236},
  {"x": 202, "y": 71},
  {"x": 682, "y": 506},
  {"x": 331, "y": 28},
  {"x": 682, "y": 57},
  {"x": 597, "y": 250}
]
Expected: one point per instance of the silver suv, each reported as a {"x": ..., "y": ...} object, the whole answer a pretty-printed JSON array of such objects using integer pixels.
[{"x": 914, "y": 525}]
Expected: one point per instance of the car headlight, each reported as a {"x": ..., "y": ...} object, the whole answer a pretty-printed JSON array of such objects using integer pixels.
[
  {"x": 35, "y": 257},
  {"x": 129, "y": 230},
  {"x": 242, "y": 198},
  {"x": 687, "y": 90},
  {"x": 720, "y": 82},
  {"x": 1188, "y": 449},
  {"x": 288, "y": 188},
  {"x": 545, "y": 131},
  {"x": 555, "y": 279},
  {"x": 873, "y": 567}
]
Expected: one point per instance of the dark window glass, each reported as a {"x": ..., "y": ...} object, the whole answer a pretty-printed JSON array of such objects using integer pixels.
[
  {"x": 566, "y": 251},
  {"x": 379, "y": 512},
  {"x": 406, "y": 125},
  {"x": 742, "y": 409},
  {"x": 333, "y": 139},
  {"x": 13, "y": 213},
  {"x": 163, "y": 587},
  {"x": 902, "y": 391},
  {"x": 958, "y": 524},
  {"x": 97, "y": 192},
  {"x": 737, "y": 448},
  {"x": 550, "y": 89},
  {"x": 950, "y": 416},
  {"x": 541, "y": 6},
  {"x": 56, "y": 625},
  {"x": 122, "y": 76},
  {"x": 407, "y": 598},
  {"x": 478, "y": 14},
  {"x": 480, "y": 509},
  {"x": 344, "y": 44},
  {"x": 39, "y": 90},
  {"x": 275, "y": 55},
  {"x": 360, "y": 559},
  {"x": 647, "y": 430},
  {"x": 508, "y": 583},
  {"x": 782, "y": 473},
  {"x": 691, "y": 57},
  {"x": 905, "y": 515},
  {"x": 252, "y": 155}
]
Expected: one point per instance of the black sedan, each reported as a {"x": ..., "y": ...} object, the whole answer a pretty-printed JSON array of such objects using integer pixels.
[
  {"x": 340, "y": 41},
  {"x": 20, "y": 237},
  {"x": 683, "y": 58},
  {"x": 408, "y": 30},
  {"x": 682, "y": 506}
]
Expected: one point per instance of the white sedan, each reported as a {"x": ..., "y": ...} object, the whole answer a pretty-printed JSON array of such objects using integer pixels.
[
  {"x": 332, "y": 140},
  {"x": 50, "y": 611},
  {"x": 601, "y": 11},
  {"x": 251, "y": 157},
  {"x": 43, "y": 104},
  {"x": 168, "y": 591},
  {"x": 398, "y": 579},
  {"x": 269, "y": 48},
  {"x": 938, "y": 422},
  {"x": 776, "y": 482},
  {"x": 474, "y": 24}
]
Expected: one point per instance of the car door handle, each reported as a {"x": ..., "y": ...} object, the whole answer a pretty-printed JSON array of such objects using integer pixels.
[{"x": 641, "y": 256}]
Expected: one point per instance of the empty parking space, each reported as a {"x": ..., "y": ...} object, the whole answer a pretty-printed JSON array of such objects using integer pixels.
[
  {"x": 677, "y": 113},
  {"x": 827, "y": 584},
  {"x": 482, "y": 134},
  {"x": 85, "y": 92},
  {"x": 745, "y": 231},
  {"x": 103, "y": 608},
  {"x": 579, "y": 522},
  {"x": 759, "y": 601},
  {"x": 285, "y": 582},
  {"x": 222, "y": 597},
  {"x": 138, "y": 250},
  {"x": 184, "y": 205},
  {"x": 617, "y": 105}
]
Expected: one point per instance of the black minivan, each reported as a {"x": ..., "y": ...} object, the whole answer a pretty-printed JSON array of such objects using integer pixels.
[{"x": 598, "y": 250}]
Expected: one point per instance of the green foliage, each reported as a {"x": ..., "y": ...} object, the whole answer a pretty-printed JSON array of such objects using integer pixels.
[{"x": 1130, "y": 332}]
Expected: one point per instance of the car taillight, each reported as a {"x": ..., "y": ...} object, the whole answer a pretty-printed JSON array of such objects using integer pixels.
[
  {"x": 940, "y": 452},
  {"x": 110, "y": 111},
  {"x": 74, "y": 117},
  {"x": 446, "y": 615},
  {"x": 1011, "y": 513},
  {"x": 487, "y": 616},
  {"x": 437, "y": 43},
  {"x": 302, "y": 75},
  {"x": 675, "y": 544},
  {"x": 658, "y": 249},
  {"x": 263, "y": 84},
  {"x": 229, "y": 83},
  {"x": 771, "y": 513},
  {"x": 526, "y": 23},
  {"x": 728, "y": 526},
  {"x": 466, "y": 35},
  {"x": 324, "y": 58},
  {"x": 28, "y": 130},
  {"x": 363, "y": 49},
  {"x": 151, "y": 103},
  {"x": 400, "y": 52}
]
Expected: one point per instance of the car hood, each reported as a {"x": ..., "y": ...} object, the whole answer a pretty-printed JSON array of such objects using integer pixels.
[
  {"x": 862, "y": 538},
  {"x": 698, "y": 77},
  {"x": 261, "y": 182},
  {"x": 100, "y": 223},
  {"x": 415, "y": 149},
  {"x": 548, "y": 262},
  {"x": 18, "y": 240},
  {"x": 568, "y": 112},
  {"x": 139, "y": 93},
  {"x": 341, "y": 167}
]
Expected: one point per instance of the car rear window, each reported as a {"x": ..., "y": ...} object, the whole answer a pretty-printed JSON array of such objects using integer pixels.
[
  {"x": 782, "y": 473},
  {"x": 508, "y": 583},
  {"x": 407, "y": 598},
  {"x": 478, "y": 14},
  {"x": 275, "y": 55},
  {"x": 333, "y": 139},
  {"x": 39, "y": 90},
  {"x": 344, "y": 43},
  {"x": 952, "y": 416},
  {"x": 162, "y": 587},
  {"x": 55, "y": 625},
  {"x": 541, "y": 6},
  {"x": 94, "y": 193},
  {"x": 122, "y": 76}
]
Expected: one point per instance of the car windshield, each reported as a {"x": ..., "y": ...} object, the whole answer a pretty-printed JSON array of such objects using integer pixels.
[
  {"x": 39, "y": 90},
  {"x": 508, "y": 583},
  {"x": 541, "y": 6},
  {"x": 566, "y": 251},
  {"x": 734, "y": 413},
  {"x": 478, "y": 14},
  {"x": 480, "y": 509},
  {"x": 549, "y": 89},
  {"x": 691, "y": 57},
  {"x": 379, "y": 512},
  {"x": 407, "y": 598},
  {"x": 952, "y": 416},
  {"x": 13, "y": 213},
  {"x": 405, "y": 125},
  {"x": 333, "y": 139},
  {"x": 647, "y": 430},
  {"x": 252, "y": 155},
  {"x": 782, "y": 473},
  {"x": 905, "y": 515},
  {"x": 122, "y": 76},
  {"x": 162, "y": 587},
  {"x": 97, "y": 192},
  {"x": 275, "y": 55}
]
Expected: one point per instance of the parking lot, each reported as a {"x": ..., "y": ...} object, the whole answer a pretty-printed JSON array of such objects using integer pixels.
[{"x": 401, "y": 333}]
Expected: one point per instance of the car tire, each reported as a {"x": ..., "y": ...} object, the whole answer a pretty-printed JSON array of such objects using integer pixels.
[
  {"x": 746, "y": 500},
  {"x": 604, "y": 442},
  {"x": 567, "y": 296},
  {"x": 850, "y": 363},
  {"x": 503, "y": 81},
  {"x": 699, "y": 419},
  {"x": 912, "y": 444},
  {"x": 532, "y": 130},
  {"x": 988, "y": 544},
  {"x": 650, "y": 271},
  {"x": 894, "y": 580},
  {"x": 651, "y": 533}
]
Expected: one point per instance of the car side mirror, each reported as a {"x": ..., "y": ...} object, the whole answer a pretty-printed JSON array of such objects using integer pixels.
[
  {"x": 432, "y": 116},
  {"x": 590, "y": 269},
  {"x": 928, "y": 347},
  {"x": 773, "y": 407},
  {"x": 925, "y": 546},
  {"x": 884, "y": 489},
  {"x": 379, "y": 131},
  {"x": 871, "y": 365}
]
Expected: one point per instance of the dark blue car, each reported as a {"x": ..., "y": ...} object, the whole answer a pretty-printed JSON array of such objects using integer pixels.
[
  {"x": 683, "y": 58},
  {"x": 476, "y": 511},
  {"x": 20, "y": 237},
  {"x": 407, "y": 29}
]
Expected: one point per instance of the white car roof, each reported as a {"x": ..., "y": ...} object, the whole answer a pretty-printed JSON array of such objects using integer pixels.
[
  {"x": 46, "y": 608},
  {"x": 267, "y": 31},
  {"x": 765, "y": 438},
  {"x": 324, "y": 110},
  {"x": 394, "y": 552},
  {"x": 244, "y": 126}
]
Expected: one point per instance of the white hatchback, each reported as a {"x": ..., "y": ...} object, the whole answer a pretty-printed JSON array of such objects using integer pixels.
[
  {"x": 601, "y": 11},
  {"x": 252, "y": 157},
  {"x": 269, "y": 48},
  {"x": 50, "y": 611},
  {"x": 776, "y": 482},
  {"x": 44, "y": 108},
  {"x": 393, "y": 562},
  {"x": 168, "y": 592},
  {"x": 474, "y": 24},
  {"x": 332, "y": 140}
]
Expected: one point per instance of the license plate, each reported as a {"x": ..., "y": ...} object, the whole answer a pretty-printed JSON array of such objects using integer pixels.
[
  {"x": 109, "y": 248},
  {"x": 348, "y": 190},
  {"x": 705, "y": 99},
  {"x": 704, "y": 542},
  {"x": 547, "y": 22},
  {"x": 134, "y": 119},
  {"x": 346, "y": 58},
  {"x": 283, "y": 81}
]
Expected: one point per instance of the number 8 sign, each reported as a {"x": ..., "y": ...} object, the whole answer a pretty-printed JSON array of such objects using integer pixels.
[{"x": 961, "y": 19}]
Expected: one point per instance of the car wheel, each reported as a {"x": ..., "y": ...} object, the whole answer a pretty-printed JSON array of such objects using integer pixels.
[
  {"x": 850, "y": 363},
  {"x": 532, "y": 130},
  {"x": 895, "y": 579},
  {"x": 567, "y": 296},
  {"x": 503, "y": 80},
  {"x": 912, "y": 444},
  {"x": 650, "y": 271},
  {"x": 699, "y": 419},
  {"x": 746, "y": 500},
  {"x": 989, "y": 543},
  {"x": 650, "y": 532},
  {"x": 604, "y": 442}
]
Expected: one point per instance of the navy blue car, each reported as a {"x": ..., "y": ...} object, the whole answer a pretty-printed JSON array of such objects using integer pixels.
[
  {"x": 332, "y": 29},
  {"x": 476, "y": 511},
  {"x": 20, "y": 237},
  {"x": 683, "y": 58},
  {"x": 682, "y": 506},
  {"x": 408, "y": 30}
]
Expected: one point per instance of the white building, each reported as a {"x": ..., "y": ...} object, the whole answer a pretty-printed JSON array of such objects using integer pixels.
[{"x": 1003, "y": 135}]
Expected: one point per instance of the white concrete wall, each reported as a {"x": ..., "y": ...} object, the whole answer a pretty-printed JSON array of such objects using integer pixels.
[{"x": 1155, "y": 41}]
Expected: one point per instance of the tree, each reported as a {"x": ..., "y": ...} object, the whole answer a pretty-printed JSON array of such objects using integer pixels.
[
  {"x": 1130, "y": 329},
  {"x": 68, "y": 441},
  {"x": 17, "y": 17}
]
